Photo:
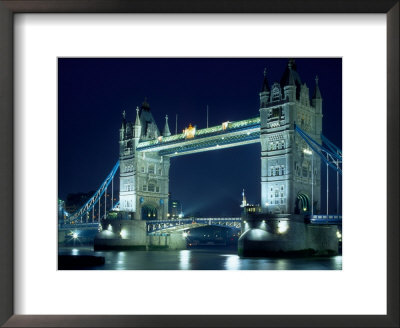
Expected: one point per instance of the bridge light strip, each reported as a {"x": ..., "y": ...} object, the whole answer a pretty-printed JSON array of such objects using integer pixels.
[
  {"x": 147, "y": 145},
  {"x": 211, "y": 143}
]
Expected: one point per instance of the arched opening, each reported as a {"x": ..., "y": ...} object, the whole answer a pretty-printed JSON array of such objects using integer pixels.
[
  {"x": 149, "y": 212},
  {"x": 303, "y": 204}
]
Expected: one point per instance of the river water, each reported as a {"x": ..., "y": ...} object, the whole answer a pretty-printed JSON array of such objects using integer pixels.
[{"x": 199, "y": 259}]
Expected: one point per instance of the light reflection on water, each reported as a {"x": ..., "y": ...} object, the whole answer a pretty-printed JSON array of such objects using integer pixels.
[
  {"x": 232, "y": 262},
  {"x": 184, "y": 260},
  {"x": 201, "y": 259}
]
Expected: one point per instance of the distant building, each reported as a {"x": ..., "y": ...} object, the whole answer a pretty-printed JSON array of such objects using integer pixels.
[
  {"x": 61, "y": 211},
  {"x": 175, "y": 209},
  {"x": 249, "y": 208}
]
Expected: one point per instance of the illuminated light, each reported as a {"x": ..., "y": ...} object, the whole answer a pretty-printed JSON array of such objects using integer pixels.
[
  {"x": 168, "y": 214},
  {"x": 217, "y": 145},
  {"x": 304, "y": 208},
  {"x": 123, "y": 233},
  {"x": 267, "y": 204},
  {"x": 248, "y": 133},
  {"x": 307, "y": 151},
  {"x": 176, "y": 152},
  {"x": 338, "y": 234},
  {"x": 225, "y": 125},
  {"x": 184, "y": 235},
  {"x": 180, "y": 215},
  {"x": 263, "y": 221},
  {"x": 75, "y": 235},
  {"x": 245, "y": 221},
  {"x": 159, "y": 138},
  {"x": 190, "y": 131},
  {"x": 283, "y": 226},
  {"x": 148, "y": 214}
]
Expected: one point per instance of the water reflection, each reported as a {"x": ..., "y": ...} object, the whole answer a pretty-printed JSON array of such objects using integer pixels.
[
  {"x": 282, "y": 264},
  {"x": 232, "y": 262},
  {"x": 184, "y": 260},
  {"x": 200, "y": 259}
]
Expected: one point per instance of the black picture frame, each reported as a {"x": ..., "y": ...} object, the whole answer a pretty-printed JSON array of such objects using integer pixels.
[{"x": 10, "y": 7}]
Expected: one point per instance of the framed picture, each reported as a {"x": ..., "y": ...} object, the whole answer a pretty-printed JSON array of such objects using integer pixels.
[{"x": 29, "y": 169}]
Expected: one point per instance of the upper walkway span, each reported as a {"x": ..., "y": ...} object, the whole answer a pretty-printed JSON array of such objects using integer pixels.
[{"x": 228, "y": 134}]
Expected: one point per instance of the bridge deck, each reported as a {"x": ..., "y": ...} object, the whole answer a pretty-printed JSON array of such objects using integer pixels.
[{"x": 228, "y": 134}]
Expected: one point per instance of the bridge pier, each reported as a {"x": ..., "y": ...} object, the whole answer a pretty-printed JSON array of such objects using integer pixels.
[
  {"x": 132, "y": 234},
  {"x": 286, "y": 235}
]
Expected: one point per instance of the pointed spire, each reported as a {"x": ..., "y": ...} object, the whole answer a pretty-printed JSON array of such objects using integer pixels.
[
  {"x": 317, "y": 93},
  {"x": 265, "y": 86},
  {"x": 244, "y": 201},
  {"x": 145, "y": 105},
  {"x": 123, "y": 125},
  {"x": 291, "y": 67},
  {"x": 137, "y": 121},
  {"x": 290, "y": 76},
  {"x": 166, "y": 132}
]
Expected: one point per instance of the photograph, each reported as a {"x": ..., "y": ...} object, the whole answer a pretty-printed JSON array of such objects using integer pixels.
[{"x": 210, "y": 163}]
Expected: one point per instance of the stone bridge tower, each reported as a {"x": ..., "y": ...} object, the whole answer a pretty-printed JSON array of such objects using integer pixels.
[
  {"x": 287, "y": 163},
  {"x": 144, "y": 177}
]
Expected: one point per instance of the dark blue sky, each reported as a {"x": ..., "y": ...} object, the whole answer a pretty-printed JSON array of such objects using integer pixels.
[{"x": 92, "y": 93}]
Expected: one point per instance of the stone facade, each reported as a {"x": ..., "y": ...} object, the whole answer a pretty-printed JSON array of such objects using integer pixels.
[
  {"x": 287, "y": 164},
  {"x": 144, "y": 177}
]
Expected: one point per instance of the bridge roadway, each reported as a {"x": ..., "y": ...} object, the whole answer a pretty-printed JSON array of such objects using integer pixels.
[
  {"x": 167, "y": 226},
  {"x": 228, "y": 134}
]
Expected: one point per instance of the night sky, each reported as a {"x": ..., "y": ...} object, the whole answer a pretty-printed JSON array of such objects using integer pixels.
[{"x": 92, "y": 93}]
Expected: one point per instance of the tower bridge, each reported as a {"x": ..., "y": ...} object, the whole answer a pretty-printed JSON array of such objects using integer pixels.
[{"x": 289, "y": 129}]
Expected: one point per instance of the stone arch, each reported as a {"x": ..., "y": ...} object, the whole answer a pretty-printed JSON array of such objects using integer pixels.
[
  {"x": 149, "y": 212},
  {"x": 303, "y": 204}
]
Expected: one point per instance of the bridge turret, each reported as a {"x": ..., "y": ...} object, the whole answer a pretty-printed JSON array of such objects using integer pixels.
[
  {"x": 265, "y": 91},
  {"x": 289, "y": 79},
  {"x": 137, "y": 126},
  {"x": 149, "y": 127},
  {"x": 317, "y": 98},
  {"x": 166, "y": 132},
  {"x": 123, "y": 127}
]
